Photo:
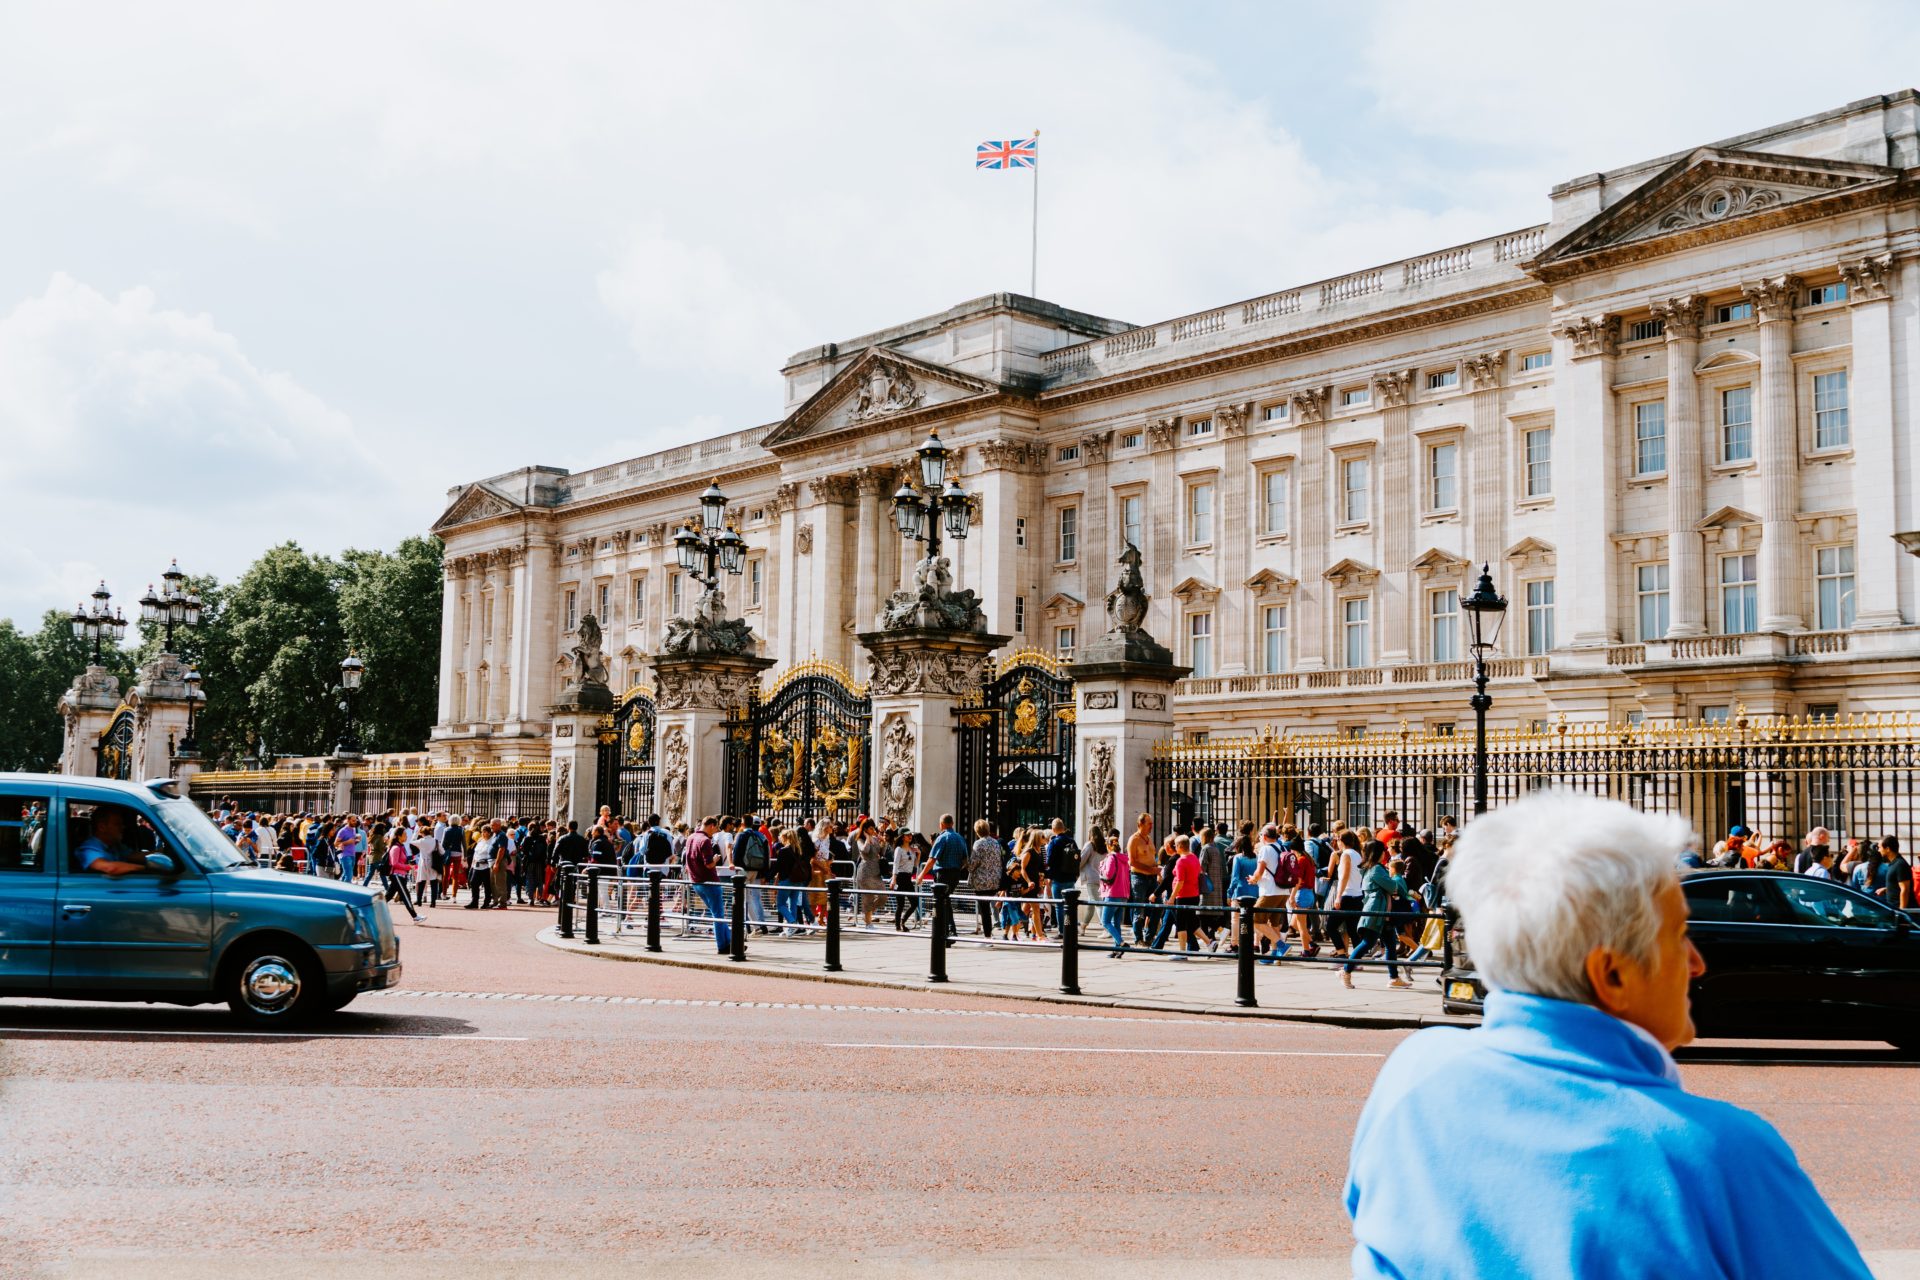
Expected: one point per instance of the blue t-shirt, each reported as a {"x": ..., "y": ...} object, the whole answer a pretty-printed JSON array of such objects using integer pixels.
[
  {"x": 950, "y": 851},
  {"x": 94, "y": 849}
]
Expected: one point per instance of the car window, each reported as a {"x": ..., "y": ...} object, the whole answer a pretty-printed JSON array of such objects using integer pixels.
[
  {"x": 23, "y": 833},
  {"x": 105, "y": 829},
  {"x": 1729, "y": 900},
  {"x": 195, "y": 830},
  {"x": 1814, "y": 902}
]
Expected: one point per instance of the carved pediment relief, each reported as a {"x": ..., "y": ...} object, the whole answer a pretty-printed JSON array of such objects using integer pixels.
[
  {"x": 1195, "y": 590},
  {"x": 1351, "y": 573},
  {"x": 1062, "y": 605},
  {"x": 1712, "y": 192},
  {"x": 878, "y": 387},
  {"x": 1530, "y": 553},
  {"x": 1436, "y": 563},
  {"x": 1728, "y": 518},
  {"x": 1268, "y": 583},
  {"x": 475, "y": 503}
]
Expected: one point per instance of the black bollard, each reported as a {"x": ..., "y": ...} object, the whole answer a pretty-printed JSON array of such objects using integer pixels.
[
  {"x": 835, "y": 887},
  {"x": 566, "y": 900},
  {"x": 1070, "y": 942},
  {"x": 937, "y": 967},
  {"x": 654, "y": 876},
  {"x": 1446, "y": 946},
  {"x": 738, "y": 910},
  {"x": 1244, "y": 955},
  {"x": 593, "y": 905}
]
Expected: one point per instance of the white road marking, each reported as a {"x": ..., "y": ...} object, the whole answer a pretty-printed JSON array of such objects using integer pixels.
[
  {"x": 1061, "y": 1048},
  {"x": 209, "y": 1034}
]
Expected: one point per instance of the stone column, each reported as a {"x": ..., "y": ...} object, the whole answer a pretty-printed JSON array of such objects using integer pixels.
[
  {"x": 452, "y": 571},
  {"x": 1878, "y": 564},
  {"x": 919, "y": 678},
  {"x": 341, "y": 771},
  {"x": 1164, "y": 519},
  {"x": 1123, "y": 686},
  {"x": 1687, "y": 458},
  {"x": 473, "y": 710},
  {"x": 86, "y": 708},
  {"x": 828, "y": 597},
  {"x": 693, "y": 696},
  {"x": 1487, "y": 462},
  {"x": 1584, "y": 348},
  {"x": 1396, "y": 515},
  {"x": 1314, "y": 521},
  {"x": 1235, "y": 517},
  {"x": 1095, "y": 519},
  {"x": 535, "y": 631},
  {"x": 497, "y": 643},
  {"x": 1778, "y": 425},
  {"x": 871, "y": 497},
  {"x": 160, "y": 700},
  {"x": 787, "y": 575},
  {"x": 1005, "y": 569}
]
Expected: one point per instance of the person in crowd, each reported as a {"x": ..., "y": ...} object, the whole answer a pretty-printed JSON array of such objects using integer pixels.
[
  {"x": 347, "y": 844},
  {"x": 1809, "y": 856},
  {"x": 1183, "y": 900},
  {"x": 1030, "y": 881},
  {"x": 1570, "y": 1146},
  {"x": 533, "y": 864},
  {"x": 871, "y": 868},
  {"x": 1301, "y": 874},
  {"x": 427, "y": 864},
  {"x": 1063, "y": 866},
  {"x": 571, "y": 847},
  {"x": 1144, "y": 867},
  {"x": 480, "y": 870},
  {"x": 1896, "y": 882},
  {"x": 819, "y": 871},
  {"x": 1270, "y": 896},
  {"x": 703, "y": 872},
  {"x": 794, "y": 867},
  {"x": 1822, "y": 867},
  {"x": 1116, "y": 882},
  {"x": 1347, "y": 889},
  {"x": 1382, "y": 885},
  {"x": 753, "y": 853},
  {"x": 983, "y": 873}
]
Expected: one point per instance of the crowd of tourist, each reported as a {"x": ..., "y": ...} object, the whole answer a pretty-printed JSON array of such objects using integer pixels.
[{"x": 1873, "y": 867}]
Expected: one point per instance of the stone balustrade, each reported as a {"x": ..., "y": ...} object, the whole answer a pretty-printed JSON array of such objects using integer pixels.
[
  {"x": 1413, "y": 673},
  {"x": 1486, "y": 262}
]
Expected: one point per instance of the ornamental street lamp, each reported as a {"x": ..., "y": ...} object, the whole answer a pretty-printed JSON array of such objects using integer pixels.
[
  {"x": 714, "y": 548},
  {"x": 1486, "y": 610},
  {"x": 352, "y": 670},
  {"x": 101, "y": 626},
  {"x": 190, "y": 745},
  {"x": 175, "y": 606},
  {"x": 920, "y": 511}
]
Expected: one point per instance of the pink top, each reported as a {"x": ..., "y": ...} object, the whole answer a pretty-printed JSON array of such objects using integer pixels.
[
  {"x": 1186, "y": 876},
  {"x": 1116, "y": 876}
]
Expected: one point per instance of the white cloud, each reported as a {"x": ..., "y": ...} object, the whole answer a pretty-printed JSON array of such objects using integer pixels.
[{"x": 137, "y": 433}]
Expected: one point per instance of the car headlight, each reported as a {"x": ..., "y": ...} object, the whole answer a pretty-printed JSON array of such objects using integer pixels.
[{"x": 360, "y": 928}]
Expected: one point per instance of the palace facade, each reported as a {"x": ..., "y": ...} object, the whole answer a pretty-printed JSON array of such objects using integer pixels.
[{"x": 1677, "y": 419}]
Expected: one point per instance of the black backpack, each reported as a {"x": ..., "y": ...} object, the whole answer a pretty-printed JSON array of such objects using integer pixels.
[
  {"x": 750, "y": 851},
  {"x": 1063, "y": 861},
  {"x": 659, "y": 848}
]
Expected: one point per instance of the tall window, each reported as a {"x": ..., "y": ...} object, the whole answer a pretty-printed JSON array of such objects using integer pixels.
[
  {"x": 605, "y": 601},
  {"x": 1443, "y": 477},
  {"x": 1356, "y": 631},
  {"x": 1443, "y": 625},
  {"x": 1833, "y": 580},
  {"x": 1020, "y": 615},
  {"x": 1736, "y": 424},
  {"x": 638, "y": 614},
  {"x": 1133, "y": 514},
  {"x": 1650, "y": 438},
  {"x": 1540, "y": 616},
  {"x": 1739, "y": 594},
  {"x": 1656, "y": 605},
  {"x": 1539, "y": 451},
  {"x": 756, "y": 582},
  {"x": 1273, "y": 638},
  {"x": 676, "y": 596},
  {"x": 1200, "y": 643},
  {"x": 572, "y": 612},
  {"x": 1063, "y": 638},
  {"x": 1199, "y": 513},
  {"x": 1069, "y": 533},
  {"x": 1273, "y": 499},
  {"x": 1355, "y": 477},
  {"x": 1019, "y": 531},
  {"x": 1830, "y": 427}
]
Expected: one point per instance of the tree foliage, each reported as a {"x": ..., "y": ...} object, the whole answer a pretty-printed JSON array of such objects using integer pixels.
[{"x": 268, "y": 649}]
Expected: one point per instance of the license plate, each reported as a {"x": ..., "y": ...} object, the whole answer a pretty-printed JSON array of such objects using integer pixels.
[{"x": 1461, "y": 991}]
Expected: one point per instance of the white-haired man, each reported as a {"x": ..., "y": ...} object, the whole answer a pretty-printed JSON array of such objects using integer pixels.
[{"x": 1555, "y": 1139}]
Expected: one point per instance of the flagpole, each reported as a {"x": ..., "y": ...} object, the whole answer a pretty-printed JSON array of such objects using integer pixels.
[{"x": 1033, "y": 257}]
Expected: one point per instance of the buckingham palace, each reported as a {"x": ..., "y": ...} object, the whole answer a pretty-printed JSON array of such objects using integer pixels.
[{"x": 1676, "y": 419}]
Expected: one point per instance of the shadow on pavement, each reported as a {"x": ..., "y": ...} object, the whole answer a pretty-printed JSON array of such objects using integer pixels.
[
  {"x": 1867, "y": 1053},
  {"x": 25, "y": 1020}
]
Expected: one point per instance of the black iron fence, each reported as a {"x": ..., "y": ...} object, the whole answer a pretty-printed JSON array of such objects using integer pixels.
[{"x": 1778, "y": 776}]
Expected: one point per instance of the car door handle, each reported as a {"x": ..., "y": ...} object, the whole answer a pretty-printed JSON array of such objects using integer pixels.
[{"x": 74, "y": 909}]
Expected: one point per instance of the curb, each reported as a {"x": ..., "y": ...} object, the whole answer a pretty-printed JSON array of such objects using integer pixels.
[{"x": 549, "y": 936}]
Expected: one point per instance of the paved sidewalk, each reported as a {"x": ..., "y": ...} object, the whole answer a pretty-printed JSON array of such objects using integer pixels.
[{"x": 1307, "y": 991}]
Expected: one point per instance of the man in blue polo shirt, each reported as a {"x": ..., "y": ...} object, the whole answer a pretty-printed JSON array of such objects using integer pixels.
[
  {"x": 949, "y": 860},
  {"x": 105, "y": 851}
]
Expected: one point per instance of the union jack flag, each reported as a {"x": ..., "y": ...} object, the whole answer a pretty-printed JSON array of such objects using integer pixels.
[{"x": 1022, "y": 154}]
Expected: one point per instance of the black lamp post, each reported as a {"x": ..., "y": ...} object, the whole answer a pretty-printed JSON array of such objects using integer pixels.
[
  {"x": 101, "y": 625},
  {"x": 714, "y": 548},
  {"x": 352, "y": 670},
  {"x": 190, "y": 745},
  {"x": 175, "y": 606},
  {"x": 1486, "y": 610},
  {"x": 918, "y": 510}
]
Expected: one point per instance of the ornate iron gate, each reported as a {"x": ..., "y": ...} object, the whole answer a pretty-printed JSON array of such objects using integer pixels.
[
  {"x": 115, "y": 750},
  {"x": 1016, "y": 746},
  {"x": 626, "y": 756},
  {"x": 804, "y": 749}
]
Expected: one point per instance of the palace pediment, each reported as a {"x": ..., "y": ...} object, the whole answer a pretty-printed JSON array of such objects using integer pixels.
[
  {"x": 473, "y": 504},
  {"x": 879, "y": 388},
  {"x": 1709, "y": 194}
]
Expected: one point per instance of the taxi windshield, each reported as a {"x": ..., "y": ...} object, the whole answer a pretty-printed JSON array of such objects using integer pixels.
[{"x": 195, "y": 832}]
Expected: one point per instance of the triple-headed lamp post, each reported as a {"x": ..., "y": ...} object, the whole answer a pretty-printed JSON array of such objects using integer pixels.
[
  {"x": 1486, "y": 610},
  {"x": 920, "y": 510},
  {"x": 715, "y": 547},
  {"x": 100, "y": 627},
  {"x": 174, "y": 606},
  {"x": 352, "y": 671}
]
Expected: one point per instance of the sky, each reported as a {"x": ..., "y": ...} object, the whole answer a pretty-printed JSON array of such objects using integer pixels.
[{"x": 276, "y": 272}]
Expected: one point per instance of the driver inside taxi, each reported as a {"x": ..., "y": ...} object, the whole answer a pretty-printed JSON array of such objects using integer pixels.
[{"x": 105, "y": 852}]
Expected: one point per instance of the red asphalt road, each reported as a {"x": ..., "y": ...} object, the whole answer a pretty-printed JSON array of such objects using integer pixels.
[{"x": 854, "y": 1122}]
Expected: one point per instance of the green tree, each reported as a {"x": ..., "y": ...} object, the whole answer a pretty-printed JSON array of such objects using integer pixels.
[
  {"x": 390, "y": 612},
  {"x": 278, "y": 654},
  {"x": 35, "y": 670}
]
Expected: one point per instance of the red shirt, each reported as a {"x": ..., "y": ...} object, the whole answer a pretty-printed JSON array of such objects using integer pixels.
[{"x": 1186, "y": 876}]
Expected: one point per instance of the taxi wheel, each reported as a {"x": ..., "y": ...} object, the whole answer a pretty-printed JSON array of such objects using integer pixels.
[{"x": 274, "y": 986}]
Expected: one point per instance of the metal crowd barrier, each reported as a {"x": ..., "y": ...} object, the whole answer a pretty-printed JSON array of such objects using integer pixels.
[{"x": 656, "y": 897}]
